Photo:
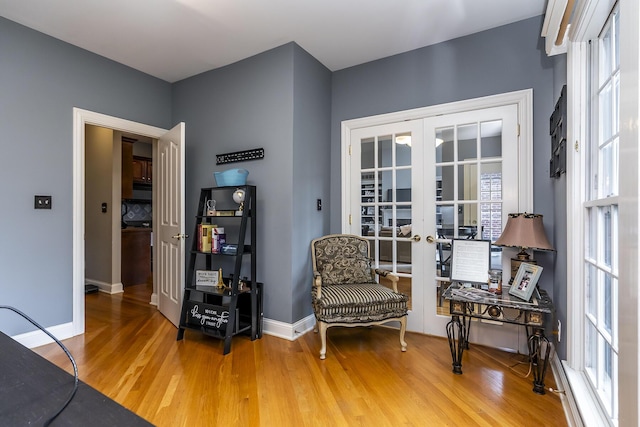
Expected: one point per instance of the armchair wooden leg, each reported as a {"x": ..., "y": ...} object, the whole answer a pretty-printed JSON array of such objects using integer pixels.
[
  {"x": 323, "y": 340},
  {"x": 403, "y": 329}
]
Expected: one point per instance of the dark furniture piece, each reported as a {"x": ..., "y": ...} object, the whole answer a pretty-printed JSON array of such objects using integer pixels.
[
  {"x": 345, "y": 291},
  {"x": 32, "y": 389},
  {"x": 236, "y": 308},
  {"x": 465, "y": 304},
  {"x": 135, "y": 255}
]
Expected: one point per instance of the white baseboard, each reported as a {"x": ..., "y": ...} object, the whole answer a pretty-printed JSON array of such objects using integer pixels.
[
  {"x": 288, "y": 331},
  {"x": 37, "y": 338},
  {"x": 571, "y": 412},
  {"x": 275, "y": 328},
  {"x": 110, "y": 288},
  {"x": 154, "y": 299}
]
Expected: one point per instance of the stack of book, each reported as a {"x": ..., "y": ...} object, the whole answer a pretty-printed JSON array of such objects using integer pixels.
[{"x": 205, "y": 233}]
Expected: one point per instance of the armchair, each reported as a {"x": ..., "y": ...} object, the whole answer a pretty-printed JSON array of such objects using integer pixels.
[{"x": 345, "y": 291}]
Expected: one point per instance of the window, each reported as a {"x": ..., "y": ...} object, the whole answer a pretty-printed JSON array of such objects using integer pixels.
[
  {"x": 597, "y": 352},
  {"x": 601, "y": 220}
]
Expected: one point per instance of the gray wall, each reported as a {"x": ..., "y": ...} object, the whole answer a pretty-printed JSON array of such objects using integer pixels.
[
  {"x": 277, "y": 100},
  {"x": 41, "y": 80},
  {"x": 311, "y": 170},
  {"x": 99, "y": 165},
  {"x": 282, "y": 100}
]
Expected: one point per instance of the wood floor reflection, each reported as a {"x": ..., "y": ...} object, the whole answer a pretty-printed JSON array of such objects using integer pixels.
[{"x": 130, "y": 353}]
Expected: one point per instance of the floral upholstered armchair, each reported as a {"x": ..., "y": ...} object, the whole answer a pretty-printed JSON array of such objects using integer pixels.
[{"x": 345, "y": 291}]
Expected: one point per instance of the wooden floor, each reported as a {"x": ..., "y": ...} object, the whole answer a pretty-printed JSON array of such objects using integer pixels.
[{"x": 130, "y": 353}]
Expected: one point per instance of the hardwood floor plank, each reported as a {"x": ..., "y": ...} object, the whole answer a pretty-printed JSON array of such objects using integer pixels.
[{"x": 130, "y": 353}]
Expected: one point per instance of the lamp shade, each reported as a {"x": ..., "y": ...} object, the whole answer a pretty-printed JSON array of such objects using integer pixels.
[{"x": 526, "y": 231}]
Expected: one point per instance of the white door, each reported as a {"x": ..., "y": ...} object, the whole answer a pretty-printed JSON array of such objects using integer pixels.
[
  {"x": 415, "y": 185},
  {"x": 471, "y": 185},
  {"x": 169, "y": 215},
  {"x": 385, "y": 191}
]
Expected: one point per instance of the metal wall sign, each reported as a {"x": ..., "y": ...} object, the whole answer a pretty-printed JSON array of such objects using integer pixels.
[{"x": 239, "y": 156}]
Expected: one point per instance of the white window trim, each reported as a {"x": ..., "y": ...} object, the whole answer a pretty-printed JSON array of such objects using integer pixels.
[{"x": 589, "y": 17}]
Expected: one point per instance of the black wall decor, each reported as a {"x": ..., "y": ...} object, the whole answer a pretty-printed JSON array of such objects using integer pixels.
[
  {"x": 239, "y": 156},
  {"x": 558, "y": 131}
]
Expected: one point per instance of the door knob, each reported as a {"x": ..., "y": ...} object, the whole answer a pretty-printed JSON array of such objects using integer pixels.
[
  {"x": 416, "y": 238},
  {"x": 430, "y": 239},
  {"x": 180, "y": 236}
]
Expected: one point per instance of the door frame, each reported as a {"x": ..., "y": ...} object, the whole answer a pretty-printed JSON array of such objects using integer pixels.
[
  {"x": 522, "y": 98},
  {"x": 80, "y": 119}
]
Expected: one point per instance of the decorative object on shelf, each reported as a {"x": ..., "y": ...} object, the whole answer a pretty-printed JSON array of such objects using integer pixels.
[
  {"x": 239, "y": 156},
  {"x": 229, "y": 249},
  {"x": 524, "y": 231},
  {"x": 238, "y": 197},
  {"x": 231, "y": 177},
  {"x": 206, "y": 278},
  {"x": 525, "y": 281},
  {"x": 211, "y": 208},
  {"x": 218, "y": 238},
  {"x": 225, "y": 213},
  {"x": 220, "y": 280}
]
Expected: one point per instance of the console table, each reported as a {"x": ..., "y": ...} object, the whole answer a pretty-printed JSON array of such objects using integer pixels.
[{"x": 467, "y": 303}]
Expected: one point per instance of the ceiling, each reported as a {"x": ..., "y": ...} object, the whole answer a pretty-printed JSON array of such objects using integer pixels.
[{"x": 176, "y": 39}]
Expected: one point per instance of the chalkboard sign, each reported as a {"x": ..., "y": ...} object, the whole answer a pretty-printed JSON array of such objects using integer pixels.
[{"x": 209, "y": 316}]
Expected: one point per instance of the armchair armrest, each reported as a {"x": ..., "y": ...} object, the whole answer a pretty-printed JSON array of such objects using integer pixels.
[
  {"x": 388, "y": 275},
  {"x": 317, "y": 283}
]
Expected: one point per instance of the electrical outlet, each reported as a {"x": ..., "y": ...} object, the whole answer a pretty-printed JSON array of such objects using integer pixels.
[
  {"x": 42, "y": 202},
  {"x": 559, "y": 330}
]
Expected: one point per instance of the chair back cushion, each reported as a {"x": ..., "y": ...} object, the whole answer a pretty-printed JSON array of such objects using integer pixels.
[{"x": 342, "y": 259}]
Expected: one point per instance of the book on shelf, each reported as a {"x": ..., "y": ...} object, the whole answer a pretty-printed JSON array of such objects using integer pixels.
[{"x": 205, "y": 232}]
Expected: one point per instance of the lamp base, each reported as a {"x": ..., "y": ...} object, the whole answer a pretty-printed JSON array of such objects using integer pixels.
[{"x": 515, "y": 265}]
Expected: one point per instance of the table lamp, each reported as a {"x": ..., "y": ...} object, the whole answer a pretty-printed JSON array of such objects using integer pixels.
[{"x": 524, "y": 231}]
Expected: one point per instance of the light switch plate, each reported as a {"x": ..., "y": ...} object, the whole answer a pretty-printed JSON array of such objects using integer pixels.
[{"x": 42, "y": 202}]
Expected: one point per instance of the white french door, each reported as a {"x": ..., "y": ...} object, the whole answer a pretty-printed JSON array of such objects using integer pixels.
[
  {"x": 414, "y": 185},
  {"x": 471, "y": 176},
  {"x": 385, "y": 203}
]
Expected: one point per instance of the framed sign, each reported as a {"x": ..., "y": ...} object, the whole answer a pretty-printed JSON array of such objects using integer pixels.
[
  {"x": 525, "y": 281},
  {"x": 206, "y": 278},
  {"x": 470, "y": 260},
  {"x": 209, "y": 316}
]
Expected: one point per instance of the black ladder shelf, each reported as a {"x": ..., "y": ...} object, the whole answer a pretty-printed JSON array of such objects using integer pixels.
[{"x": 236, "y": 308}]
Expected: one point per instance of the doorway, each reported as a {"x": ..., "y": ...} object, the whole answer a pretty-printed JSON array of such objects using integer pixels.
[
  {"x": 168, "y": 197},
  {"x": 118, "y": 211},
  {"x": 417, "y": 181}
]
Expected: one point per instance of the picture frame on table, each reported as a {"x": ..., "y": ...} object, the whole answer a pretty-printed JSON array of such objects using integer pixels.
[{"x": 525, "y": 281}]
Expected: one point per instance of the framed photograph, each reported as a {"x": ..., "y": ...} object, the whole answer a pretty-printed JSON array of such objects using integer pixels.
[
  {"x": 470, "y": 260},
  {"x": 525, "y": 281}
]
